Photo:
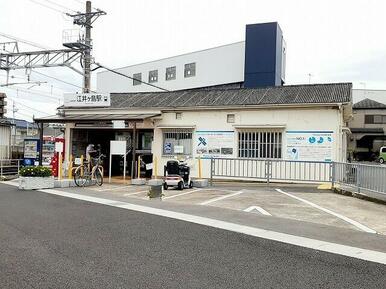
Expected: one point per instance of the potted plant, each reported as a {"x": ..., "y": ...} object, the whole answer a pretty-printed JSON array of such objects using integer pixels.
[{"x": 34, "y": 178}]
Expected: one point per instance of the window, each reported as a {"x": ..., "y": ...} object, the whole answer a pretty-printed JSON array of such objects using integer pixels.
[
  {"x": 137, "y": 78},
  {"x": 375, "y": 119},
  {"x": 383, "y": 150},
  {"x": 171, "y": 73},
  {"x": 230, "y": 118},
  {"x": 178, "y": 115},
  {"x": 260, "y": 144},
  {"x": 153, "y": 76},
  {"x": 190, "y": 69},
  {"x": 174, "y": 138},
  {"x": 369, "y": 119}
]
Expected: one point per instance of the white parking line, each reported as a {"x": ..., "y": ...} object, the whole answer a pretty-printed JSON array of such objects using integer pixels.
[
  {"x": 111, "y": 189},
  {"x": 135, "y": 193},
  {"x": 257, "y": 208},
  {"x": 349, "y": 251},
  {"x": 182, "y": 194},
  {"x": 220, "y": 198},
  {"x": 344, "y": 218}
]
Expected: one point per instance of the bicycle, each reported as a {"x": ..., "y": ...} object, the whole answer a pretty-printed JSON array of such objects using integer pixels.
[{"x": 83, "y": 174}]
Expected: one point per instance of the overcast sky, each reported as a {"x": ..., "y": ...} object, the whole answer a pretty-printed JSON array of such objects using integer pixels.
[{"x": 333, "y": 41}]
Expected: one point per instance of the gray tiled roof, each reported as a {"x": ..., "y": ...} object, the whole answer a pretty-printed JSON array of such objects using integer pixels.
[
  {"x": 292, "y": 94},
  {"x": 368, "y": 103}
]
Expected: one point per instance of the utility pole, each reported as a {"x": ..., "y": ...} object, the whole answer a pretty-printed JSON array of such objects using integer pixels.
[
  {"x": 79, "y": 47},
  {"x": 87, "y": 51}
]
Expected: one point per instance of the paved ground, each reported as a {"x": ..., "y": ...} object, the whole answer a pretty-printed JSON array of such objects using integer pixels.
[
  {"x": 48, "y": 241},
  {"x": 303, "y": 203}
]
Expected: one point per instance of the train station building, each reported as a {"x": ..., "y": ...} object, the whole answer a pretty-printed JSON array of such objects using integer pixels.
[{"x": 228, "y": 102}]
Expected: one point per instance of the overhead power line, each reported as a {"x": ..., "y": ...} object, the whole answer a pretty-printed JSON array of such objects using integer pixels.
[
  {"x": 130, "y": 77},
  {"x": 23, "y": 41},
  {"x": 33, "y": 92},
  {"x": 60, "y": 5},
  {"x": 26, "y": 106},
  {"x": 49, "y": 7},
  {"x": 57, "y": 79}
]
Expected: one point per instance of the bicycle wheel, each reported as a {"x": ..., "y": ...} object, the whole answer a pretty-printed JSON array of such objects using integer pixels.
[
  {"x": 98, "y": 177},
  {"x": 79, "y": 178}
]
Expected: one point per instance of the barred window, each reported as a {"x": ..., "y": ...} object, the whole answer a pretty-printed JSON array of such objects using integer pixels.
[
  {"x": 177, "y": 140},
  {"x": 260, "y": 144}
]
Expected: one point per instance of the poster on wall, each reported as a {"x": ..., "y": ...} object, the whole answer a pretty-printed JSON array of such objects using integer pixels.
[
  {"x": 310, "y": 145},
  {"x": 31, "y": 149},
  {"x": 211, "y": 144}
]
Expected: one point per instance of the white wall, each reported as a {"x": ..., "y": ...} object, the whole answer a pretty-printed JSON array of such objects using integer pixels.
[
  {"x": 220, "y": 65},
  {"x": 292, "y": 118},
  {"x": 5, "y": 141}
]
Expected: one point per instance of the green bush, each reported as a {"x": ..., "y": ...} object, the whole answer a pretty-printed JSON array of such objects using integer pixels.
[{"x": 37, "y": 171}]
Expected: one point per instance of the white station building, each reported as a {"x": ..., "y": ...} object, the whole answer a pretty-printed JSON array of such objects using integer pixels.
[{"x": 225, "y": 102}]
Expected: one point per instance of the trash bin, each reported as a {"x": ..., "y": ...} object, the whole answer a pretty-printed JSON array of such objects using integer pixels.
[{"x": 155, "y": 192}]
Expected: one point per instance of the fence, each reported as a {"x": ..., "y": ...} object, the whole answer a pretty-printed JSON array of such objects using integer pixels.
[
  {"x": 353, "y": 175},
  {"x": 271, "y": 170},
  {"x": 9, "y": 167},
  {"x": 360, "y": 177}
]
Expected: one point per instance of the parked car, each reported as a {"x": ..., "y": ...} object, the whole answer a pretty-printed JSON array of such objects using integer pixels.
[{"x": 382, "y": 155}]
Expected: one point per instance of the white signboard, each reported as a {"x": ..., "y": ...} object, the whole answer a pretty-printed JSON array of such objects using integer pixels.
[
  {"x": 178, "y": 149},
  {"x": 86, "y": 100},
  {"x": 215, "y": 143},
  {"x": 310, "y": 145},
  {"x": 117, "y": 147},
  {"x": 119, "y": 124},
  {"x": 59, "y": 147}
]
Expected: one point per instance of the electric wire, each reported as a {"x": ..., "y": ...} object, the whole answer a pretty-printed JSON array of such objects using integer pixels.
[
  {"x": 24, "y": 41},
  {"x": 132, "y": 78},
  {"x": 26, "y": 106},
  {"x": 33, "y": 92},
  {"x": 59, "y": 5},
  {"x": 49, "y": 7}
]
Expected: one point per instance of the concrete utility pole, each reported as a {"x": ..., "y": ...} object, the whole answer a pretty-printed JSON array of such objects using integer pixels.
[{"x": 87, "y": 51}]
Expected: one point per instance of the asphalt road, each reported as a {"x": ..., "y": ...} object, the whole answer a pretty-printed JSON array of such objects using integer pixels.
[{"x": 48, "y": 241}]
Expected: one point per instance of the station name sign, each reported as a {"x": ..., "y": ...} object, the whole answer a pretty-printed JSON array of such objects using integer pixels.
[{"x": 87, "y": 100}]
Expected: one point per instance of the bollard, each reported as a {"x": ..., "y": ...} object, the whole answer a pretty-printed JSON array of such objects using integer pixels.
[
  {"x": 139, "y": 167},
  {"x": 81, "y": 165},
  {"x": 199, "y": 168},
  {"x": 70, "y": 168},
  {"x": 60, "y": 167},
  {"x": 155, "y": 167}
]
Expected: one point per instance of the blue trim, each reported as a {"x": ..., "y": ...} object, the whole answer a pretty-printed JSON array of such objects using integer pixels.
[{"x": 309, "y": 131}]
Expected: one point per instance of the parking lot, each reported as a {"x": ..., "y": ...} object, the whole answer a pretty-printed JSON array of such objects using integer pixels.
[{"x": 296, "y": 202}]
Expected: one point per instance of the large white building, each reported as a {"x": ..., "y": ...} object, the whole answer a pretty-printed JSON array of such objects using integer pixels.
[
  {"x": 225, "y": 102},
  {"x": 257, "y": 61}
]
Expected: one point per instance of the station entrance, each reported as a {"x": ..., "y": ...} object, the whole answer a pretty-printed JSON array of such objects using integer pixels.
[
  {"x": 83, "y": 129},
  {"x": 82, "y": 137}
]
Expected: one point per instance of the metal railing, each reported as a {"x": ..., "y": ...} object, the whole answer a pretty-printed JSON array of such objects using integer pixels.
[
  {"x": 357, "y": 177},
  {"x": 360, "y": 177},
  {"x": 9, "y": 167},
  {"x": 271, "y": 170}
]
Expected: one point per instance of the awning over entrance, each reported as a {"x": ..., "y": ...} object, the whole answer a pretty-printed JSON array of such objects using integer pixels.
[{"x": 93, "y": 117}]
